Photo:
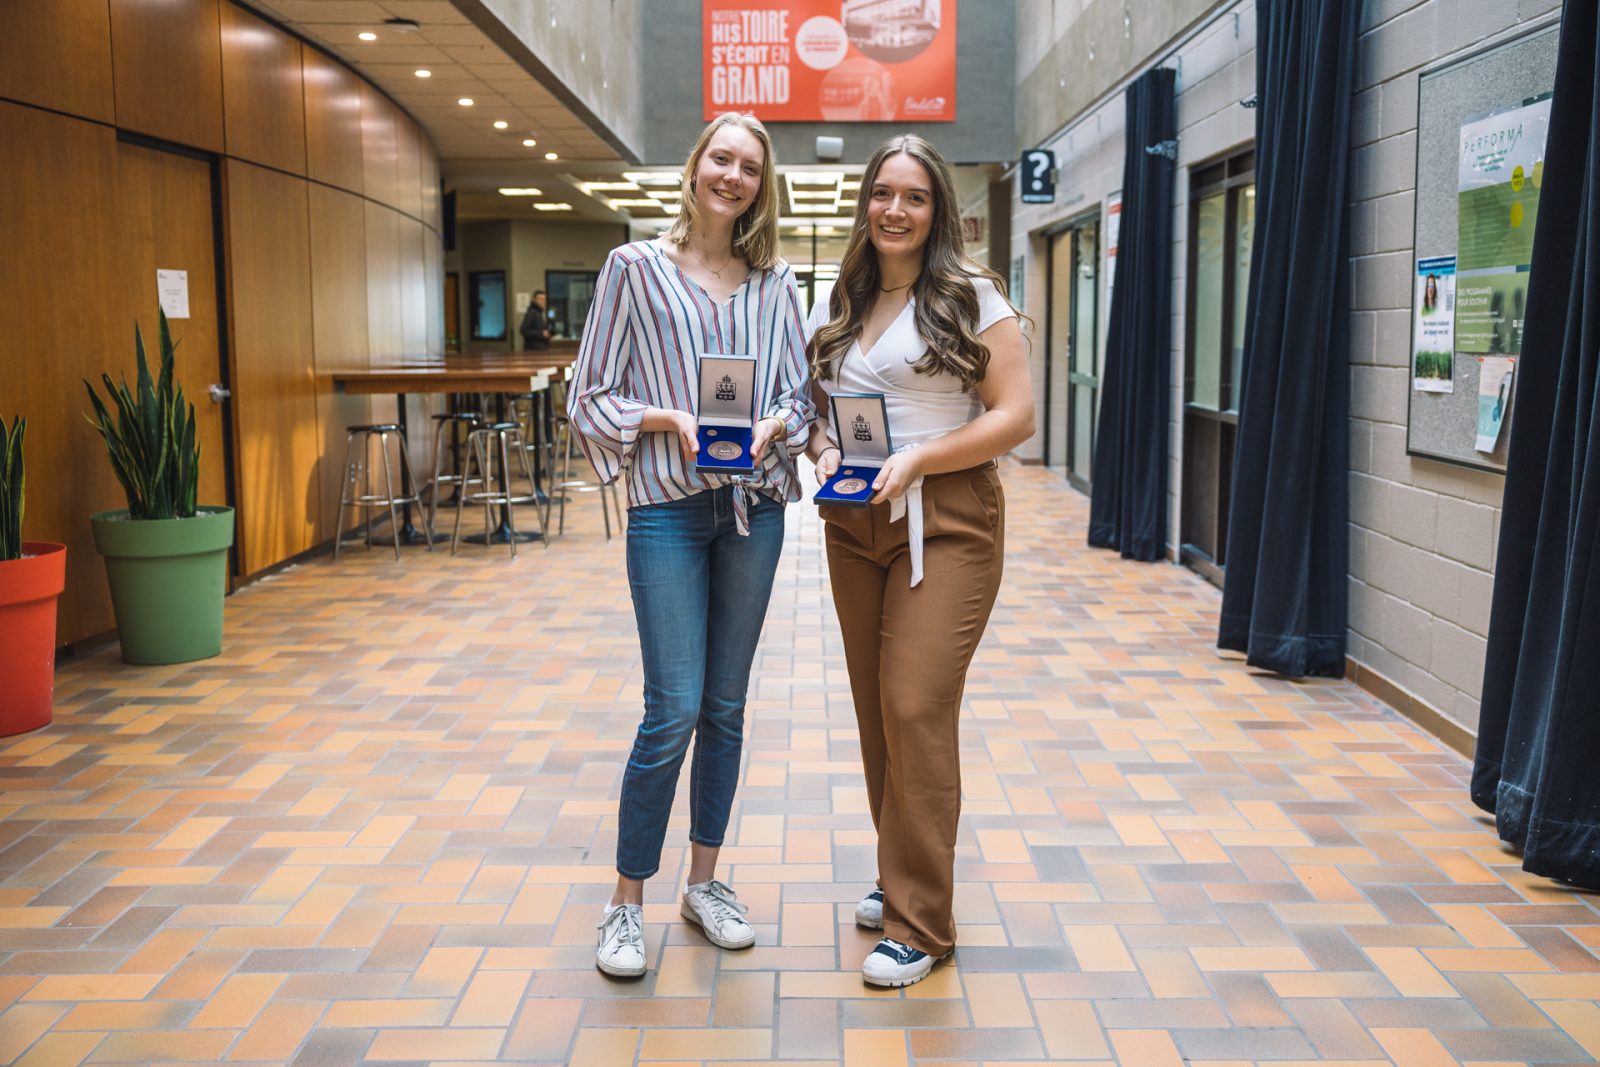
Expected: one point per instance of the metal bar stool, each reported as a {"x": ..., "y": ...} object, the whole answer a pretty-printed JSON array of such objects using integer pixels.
[
  {"x": 491, "y": 447},
  {"x": 569, "y": 484},
  {"x": 527, "y": 410},
  {"x": 358, "y": 469},
  {"x": 454, "y": 421}
]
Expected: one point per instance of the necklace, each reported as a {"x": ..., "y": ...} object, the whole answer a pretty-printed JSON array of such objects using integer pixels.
[{"x": 717, "y": 272}]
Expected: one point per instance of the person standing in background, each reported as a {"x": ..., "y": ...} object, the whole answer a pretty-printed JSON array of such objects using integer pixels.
[{"x": 535, "y": 328}]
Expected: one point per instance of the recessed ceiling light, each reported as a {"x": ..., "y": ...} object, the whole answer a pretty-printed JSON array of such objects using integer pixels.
[
  {"x": 369, "y": 36},
  {"x": 552, "y": 207},
  {"x": 646, "y": 202},
  {"x": 590, "y": 187},
  {"x": 501, "y": 124},
  {"x": 550, "y": 155},
  {"x": 465, "y": 101},
  {"x": 424, "y": 73},
  {"x": 512, "y": 190},
  {"x": 529, "y": 143}
]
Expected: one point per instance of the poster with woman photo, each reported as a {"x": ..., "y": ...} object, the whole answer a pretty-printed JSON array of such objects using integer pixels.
[{"x": 1433, "y": 361}]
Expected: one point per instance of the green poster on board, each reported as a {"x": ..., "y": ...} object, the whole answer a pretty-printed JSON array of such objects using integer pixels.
[{"x": 1501, "y": 170}]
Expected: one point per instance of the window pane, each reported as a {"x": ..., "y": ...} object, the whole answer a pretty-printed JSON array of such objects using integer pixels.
[
  {"x": 1085, "y": 343},
  {"x": 1243, "y": 239},
  {"x": 1209, "y": 265}
]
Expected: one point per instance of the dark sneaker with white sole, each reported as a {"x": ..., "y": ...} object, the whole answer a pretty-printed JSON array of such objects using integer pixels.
[
  {"x": 892, "y": 965},
  {"x": 869, "y": 913}
]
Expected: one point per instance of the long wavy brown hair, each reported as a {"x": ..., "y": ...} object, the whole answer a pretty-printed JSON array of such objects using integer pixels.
[
  {"x": 946, "y": 303},
  {"x": 755, "y": 233}
]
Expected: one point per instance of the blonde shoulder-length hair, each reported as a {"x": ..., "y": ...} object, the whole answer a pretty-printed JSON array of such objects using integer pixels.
[{"x": 755, "y": 233}]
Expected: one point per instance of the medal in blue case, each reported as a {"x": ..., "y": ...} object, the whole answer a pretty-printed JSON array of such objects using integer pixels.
[
  {"x": 726, "y": 417},
  {"x": 861, "y": 421}
]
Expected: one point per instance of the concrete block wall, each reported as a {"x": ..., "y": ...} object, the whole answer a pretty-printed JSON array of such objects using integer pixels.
[{"x": 1423, "y": 533}]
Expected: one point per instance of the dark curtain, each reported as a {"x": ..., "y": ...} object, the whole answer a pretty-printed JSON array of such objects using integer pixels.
[
  {"x": 1128, "y": 510},
  {"x": 1538, "y": 757},
  {"x": 1284, "y": 596}
]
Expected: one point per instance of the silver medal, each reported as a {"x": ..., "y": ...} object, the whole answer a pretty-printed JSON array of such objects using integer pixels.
[{"x": 725, "y": 450}]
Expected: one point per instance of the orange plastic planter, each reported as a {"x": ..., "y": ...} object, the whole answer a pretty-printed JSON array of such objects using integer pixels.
[{"x": 28, "y": 590}]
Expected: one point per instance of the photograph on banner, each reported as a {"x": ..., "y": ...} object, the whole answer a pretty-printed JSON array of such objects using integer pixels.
[
  {"x": 831, "y": 60},
  {"x": 1433, "y": 333},
  {"x": 1501, "y": 169},
  {"x": 1495, "y": 378}
]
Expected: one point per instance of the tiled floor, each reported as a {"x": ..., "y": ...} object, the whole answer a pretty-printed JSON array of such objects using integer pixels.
[{"x": 379, "y": 829}]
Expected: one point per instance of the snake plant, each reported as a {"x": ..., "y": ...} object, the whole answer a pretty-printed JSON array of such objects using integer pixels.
[
  {"x": 12, "y": 485},
  {"x": 151, "y": 439}
]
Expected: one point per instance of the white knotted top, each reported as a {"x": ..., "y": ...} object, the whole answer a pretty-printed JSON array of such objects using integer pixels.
[{"x": 922, "y": 407}]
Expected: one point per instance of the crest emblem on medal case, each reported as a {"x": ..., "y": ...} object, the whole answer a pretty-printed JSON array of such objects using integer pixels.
[
  {"x": 862, "y": 429},
  {"x": 727, "y": 389}
]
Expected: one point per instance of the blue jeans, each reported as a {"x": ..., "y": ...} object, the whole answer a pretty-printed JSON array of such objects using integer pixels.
[{"x": 700, "y": 595}]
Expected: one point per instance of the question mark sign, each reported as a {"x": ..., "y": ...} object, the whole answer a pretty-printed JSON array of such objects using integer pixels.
[{"x": 1041, "y": 166}]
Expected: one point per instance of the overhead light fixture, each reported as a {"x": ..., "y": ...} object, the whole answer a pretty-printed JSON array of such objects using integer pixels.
[
  {"x": 813, "y": 194},
  {"x": 664, "y": 194},
  {"x": 552, "y": 207},
  {"x": 550, "y": 155},
  {"x": 465, "y": 101},
  {"x": 367, "y": 35},
  {"x": 653, "y": 177},
  {"x": 424, "y": 73},
  {"x": 814, "y": 177},
  {"x": 672, "y": 209},
  {"x": 601, "y": 187},
  {"x": 501, "y": 124},
  {"x": 520, "y": 191},
  {"x": 812, "y": 209},
  {"x": 400, "y": 25},
  {"x": 529, "y": 142},
  {"x": 646, "y": 202}
]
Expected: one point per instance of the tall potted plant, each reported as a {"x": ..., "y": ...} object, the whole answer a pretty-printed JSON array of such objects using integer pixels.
[
  {"x": 32, "y": 576},
  {"x": 166, "y": 557}
]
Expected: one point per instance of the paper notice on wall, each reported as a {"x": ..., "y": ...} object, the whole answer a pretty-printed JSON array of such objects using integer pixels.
[
  {"x": 1501, "y": 169},
  {"x": 1433, "y": 329},
  {"x": 522, "y": 302},
  {"x": 1113, "y": 231},
  {"x": 1495, "y": 377},
  {"x": 173, "y": 287}
]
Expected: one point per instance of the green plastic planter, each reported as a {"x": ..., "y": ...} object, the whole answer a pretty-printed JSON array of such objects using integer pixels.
[{"x": 168, "y": 578}]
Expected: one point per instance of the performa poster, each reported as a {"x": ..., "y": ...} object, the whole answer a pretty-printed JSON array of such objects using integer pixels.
[
  {"x": 1434, "y": 365},
  {"x": 1495, "y": 377},
  {"x": 1501, "y": 170},
  {"x": 831, "y": 60}
]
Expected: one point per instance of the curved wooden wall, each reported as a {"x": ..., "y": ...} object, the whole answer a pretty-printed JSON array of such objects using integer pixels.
[{"x": 329, "y": 238}]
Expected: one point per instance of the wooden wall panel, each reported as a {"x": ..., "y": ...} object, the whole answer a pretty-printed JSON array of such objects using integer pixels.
[
  {"x": 430, "y": 185},
  {"x": 333, "y": 122},
  {"x": 274, "y": 381},
  {"x": 408, "y": 156},
  {"x": 164, "y": 211},
  {"x": 385, "y": 330},
  {"x": 380, "y": 152},
  {"x": 167, "y": 69},
  {"x": 339, "y": 331},
  {"x": 413, "y": 289},
  {"x": 262, "y": 91},
  {"x": 57, "y": 54},
  {"x": 433, "y": 268},
  {"x": 56, "y": 335}
]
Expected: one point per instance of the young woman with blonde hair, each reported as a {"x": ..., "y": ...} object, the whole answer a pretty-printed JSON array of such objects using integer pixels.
[
  {"x": 702, "y": 547},
  {"x": 915, "y": 574}
]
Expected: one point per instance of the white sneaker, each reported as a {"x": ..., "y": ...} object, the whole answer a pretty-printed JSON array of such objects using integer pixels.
[
  {"x": 717, "y": 911},
  {"x": 869, "y": 913},
  {"x": 621, "y": 951},
  {"x": 892, "y": 965}
]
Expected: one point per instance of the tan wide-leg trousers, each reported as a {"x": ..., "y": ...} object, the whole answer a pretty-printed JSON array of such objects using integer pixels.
[{"x": 907, "y": 651}]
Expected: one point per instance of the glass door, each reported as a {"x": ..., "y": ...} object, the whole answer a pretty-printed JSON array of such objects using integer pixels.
[
  {"x": 1083, "y": 383},
  {"x": 1221, "y": 234}
]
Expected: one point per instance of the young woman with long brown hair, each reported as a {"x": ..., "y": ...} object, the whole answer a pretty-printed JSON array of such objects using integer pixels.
[
  {"x": 915, "y": 574},
  {"x": 702, "y": 547}
]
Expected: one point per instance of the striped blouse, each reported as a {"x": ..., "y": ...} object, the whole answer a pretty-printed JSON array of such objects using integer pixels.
[{"x": 641, "y": 348}]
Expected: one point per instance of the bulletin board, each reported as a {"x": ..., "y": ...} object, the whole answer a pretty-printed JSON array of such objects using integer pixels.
[{"x": 1479, "y": 159}]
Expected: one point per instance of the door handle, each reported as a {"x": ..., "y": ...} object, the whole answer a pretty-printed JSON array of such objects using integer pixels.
[{"x": 219, "y": 393}]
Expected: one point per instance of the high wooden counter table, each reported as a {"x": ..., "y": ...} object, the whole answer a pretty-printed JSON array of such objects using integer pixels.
[{"x": 468, "y": 372}]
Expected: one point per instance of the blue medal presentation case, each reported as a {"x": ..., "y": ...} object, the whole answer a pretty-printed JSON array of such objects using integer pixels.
[
  {"x": 861, "y": 422},
  {"x": 727, "y": 413}
]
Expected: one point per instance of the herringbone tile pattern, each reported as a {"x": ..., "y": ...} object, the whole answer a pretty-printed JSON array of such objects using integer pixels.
[{"x": 380, "y": 827}]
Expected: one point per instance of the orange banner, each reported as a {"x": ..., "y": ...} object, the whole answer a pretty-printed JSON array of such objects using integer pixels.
[{"x": 831, "y": 60}]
